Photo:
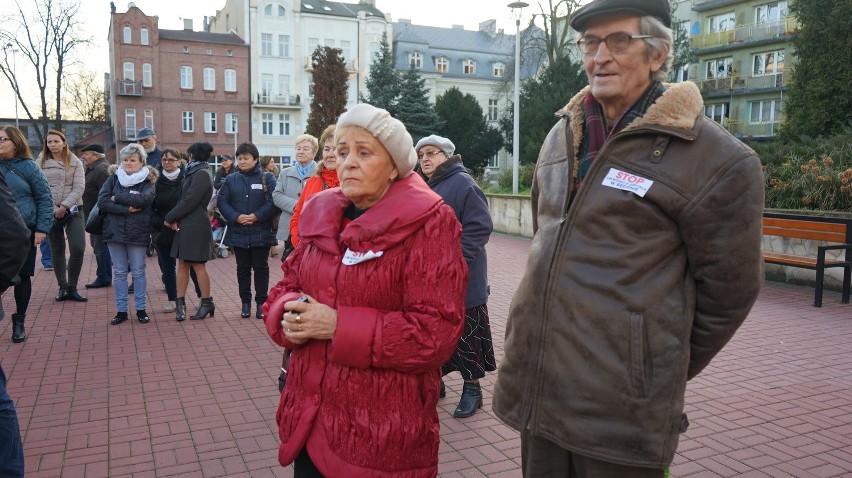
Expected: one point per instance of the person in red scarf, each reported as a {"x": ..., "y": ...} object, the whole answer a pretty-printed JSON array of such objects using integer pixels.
[
  {"x": 327, "y": 178},
  {"x": 371, "y": 304}
]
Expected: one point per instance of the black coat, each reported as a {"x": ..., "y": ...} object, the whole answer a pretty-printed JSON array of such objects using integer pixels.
[
  {"x": 121, "y": 225},
  {"x": 244, "y": 193},
  {"x": 165, "y": 199},
  {"x": 97, "y": 174},
  {"x": 14, "y": 235},
  {"x": 192, "y": 241},
  {"x": 451, "y": 181}
]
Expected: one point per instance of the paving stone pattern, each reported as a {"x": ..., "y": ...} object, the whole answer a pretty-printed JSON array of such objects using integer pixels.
[{"x": 198, "y": 398}]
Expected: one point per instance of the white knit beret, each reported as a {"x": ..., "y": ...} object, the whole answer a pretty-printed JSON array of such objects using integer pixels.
[
  {"x": 388, "y": 130},
  {"x": 439, "y": 142}
]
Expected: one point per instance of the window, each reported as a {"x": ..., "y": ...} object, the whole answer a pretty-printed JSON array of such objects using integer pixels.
[
  {"x": 281, "y": 11},
  {"x": 283, "y": 84},
  {"x": 230, "y": 80},
  {"x": 415, "y": 60},
  {"x": 266, "y": 85},
  {"x": 717, "y": 112},
  {"x": 681, "y": 73},
  {"x": 492, "y": 109},
  {"x": 129, "y": 71},
  {"x": 283, "y": 124},
  {"x": 149, "y": 119},
  {"x": 375, "y": 48},
  {"x": 346, "y": 49},
  {"x": 128, "y": 35},
  {"x": 266, "y": 44},
  {"x": 266, "y": 123},
  {"x": 284, "y": 46},
  {"x": 187, "y": 124},
  {"x": 313, "y": 43},
  {"x": 209, "y": 122},
  {"x": 186, "y": 49},
  {"x": 469, "y": 67},
  {"x": 209, "y": 79},
  {"x": 143, "y": 36},
  {"x": 721, "y": 23},
  {"x": 493, "y": 162},
  {"x": 186, "y": 77},
  {"x": 771, "y": 12},
  {"x": 130, "y": 122},
  {"x": 441, "y": 64},
  {"x": 499, "y": 69},
  {"x": 769, "y": 63},
  {"x": 765, "y": 111},
  {"x": 329, "y": 42},
  {"x": 147, "y": 82},
  {"x": 209, "y": 51},
  {"x": 231, "y": 123},
  {"x": 720, "y": 68},
  {"x": 267, "y": 10},
  {"x": 271, "y": 9}
]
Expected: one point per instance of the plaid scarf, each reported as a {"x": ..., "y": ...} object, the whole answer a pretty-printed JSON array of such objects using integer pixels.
[{"x": 594, "y": 130}]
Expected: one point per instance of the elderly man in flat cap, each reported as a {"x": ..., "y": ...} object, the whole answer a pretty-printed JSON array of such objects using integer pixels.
[
  {"x": 147, "y": 137},
  {"x": 96, "y": 175},
  {"x": 645, "y": 261}
]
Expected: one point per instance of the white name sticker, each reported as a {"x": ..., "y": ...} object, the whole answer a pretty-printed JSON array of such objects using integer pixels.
[
  {"x": 627, "y": 182},
  {"x": 257, "y": 186},
  {"x": 351, "y": 257}
]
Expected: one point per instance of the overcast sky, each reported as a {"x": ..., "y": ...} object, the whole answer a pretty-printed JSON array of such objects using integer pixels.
[{"x": 95, "y": 16}]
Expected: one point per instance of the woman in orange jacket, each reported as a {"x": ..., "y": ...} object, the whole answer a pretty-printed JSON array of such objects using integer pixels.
[{"x": 325, "y": 179}]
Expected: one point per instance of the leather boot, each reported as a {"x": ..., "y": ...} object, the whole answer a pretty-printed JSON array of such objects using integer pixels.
[
  {"x": 142, "y": 316},
  {"x": 471, "y": 400},
  {"x": 180, "y": 309},
  {"x": 72, "y": 294},
  {"x": 119, "y": 318},
  {"x": 18, "y": 334},
  {"x": 259, "y": 313},
  {"x": 207, "y": 307},
  {"x": 443, "y": 392},
  {"x": 62, "y": 294},
  {"x": 246, "y": 310}
]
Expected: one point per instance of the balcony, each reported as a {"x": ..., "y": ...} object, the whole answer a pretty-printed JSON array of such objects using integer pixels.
[
  {"x": 129, "y": 88},
  {"x": 351, "y": 65},
  {"x": 285, "y": 101},
  {"x": 746, "y": 129},
  {"x": 747, "y": 33},
  {"x": 742, "y": 83},
  {"x": 127, "y": 133}
]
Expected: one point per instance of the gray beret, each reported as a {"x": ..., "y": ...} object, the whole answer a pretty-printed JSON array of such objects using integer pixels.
[
  {"x": 439, "y": 142},
  {"x": 655, "y": 8},
  {"x": 388, "y": 130}
]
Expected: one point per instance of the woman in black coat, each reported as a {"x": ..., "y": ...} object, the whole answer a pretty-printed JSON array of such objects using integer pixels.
[
  {"x": 125, "y": 199},
  {"x": 245, "y": 202},
  {"x": 191, "y": 224}
]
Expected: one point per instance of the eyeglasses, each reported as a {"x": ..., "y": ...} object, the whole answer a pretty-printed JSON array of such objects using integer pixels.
[
  {"x": 429, "y": 154},
  {"x": 3, "y": 140},
  {"x": 616, "y": 42},
  {"x": 168, "y": 160}
]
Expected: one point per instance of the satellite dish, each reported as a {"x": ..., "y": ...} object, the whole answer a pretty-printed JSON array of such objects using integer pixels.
[{"x": 130, "y": 5}]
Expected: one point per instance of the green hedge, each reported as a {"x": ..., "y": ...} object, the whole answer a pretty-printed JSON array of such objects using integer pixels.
[{"x": 810, "y": 173}]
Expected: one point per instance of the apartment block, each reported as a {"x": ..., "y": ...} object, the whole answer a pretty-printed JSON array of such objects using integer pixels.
[
  {"x": 190, "y": 86},
  {"x": 745, "y": 57}
]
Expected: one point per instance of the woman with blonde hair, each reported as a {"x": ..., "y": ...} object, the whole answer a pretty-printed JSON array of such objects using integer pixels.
[
  {"x": 290, "y": 183},
  {"x": 66, "y": 176},
  {"x": 326, "y": 178}
]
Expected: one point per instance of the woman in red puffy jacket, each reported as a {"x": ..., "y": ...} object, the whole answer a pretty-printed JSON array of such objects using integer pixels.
[
  {"x": 325, "y": 178},
  {"x": 382, "y": 278}
]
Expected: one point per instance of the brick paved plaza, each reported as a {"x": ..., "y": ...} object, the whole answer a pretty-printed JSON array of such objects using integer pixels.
[{"x": 198, "y": 398}]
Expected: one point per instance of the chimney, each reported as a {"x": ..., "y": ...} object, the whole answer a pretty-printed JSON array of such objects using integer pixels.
[
  {"x": 205, "y": 25},
  {"x": 187, "y": 24},
  {"x": 489, "y": 27},
  {"x": 406, "y": 21},
  {"x": 459, "y": 27},
  {"x": 371, "y": 3}
]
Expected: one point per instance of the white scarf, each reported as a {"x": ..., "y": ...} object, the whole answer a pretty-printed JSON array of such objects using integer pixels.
[
  {"x": 128, "y": 180},
  {"x": 173, "y": 175}
]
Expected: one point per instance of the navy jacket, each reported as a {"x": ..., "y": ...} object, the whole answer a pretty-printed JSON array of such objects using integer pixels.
[
  {"x": 451, "y": 181},
  {"x": 121, "y": 225},
  {"x": 243, "y": 193}
]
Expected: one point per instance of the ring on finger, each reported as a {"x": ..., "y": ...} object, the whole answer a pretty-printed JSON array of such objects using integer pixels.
[{"x": 298, "y": 319}]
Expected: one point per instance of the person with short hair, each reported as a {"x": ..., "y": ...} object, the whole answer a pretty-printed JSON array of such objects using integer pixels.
[
  {"x": 245, "y": 201},
  {"x": 147, "y": 137},
  {"x": 325, "y": 178},
  {"x": 226, "y": 168},
  {"x": 646, "y": 258},
  {"x": 371, "y": 304},
  {"x": 96, "y": 175},
  {"x": 290, "y": 183},
  {"x": 65, "y": 174}
]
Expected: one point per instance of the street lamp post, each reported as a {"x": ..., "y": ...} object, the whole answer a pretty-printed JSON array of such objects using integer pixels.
[
  {"x": 516, "y": 11},
  {"x": 235, "y": 122},
  {"x": 10, "y": 46}
]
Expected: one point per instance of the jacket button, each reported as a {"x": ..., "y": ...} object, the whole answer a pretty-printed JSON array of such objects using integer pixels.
[{"x": 657, "y": 153}]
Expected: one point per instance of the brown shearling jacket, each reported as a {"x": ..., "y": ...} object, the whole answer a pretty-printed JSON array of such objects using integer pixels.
[{"x": 627, "y": 297}]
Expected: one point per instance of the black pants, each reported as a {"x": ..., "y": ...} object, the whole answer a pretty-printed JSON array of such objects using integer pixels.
[
  {"x": 541, "y": 458},
  {"x": 303, "y": 466},
  {"x": 257, "y": 259}
]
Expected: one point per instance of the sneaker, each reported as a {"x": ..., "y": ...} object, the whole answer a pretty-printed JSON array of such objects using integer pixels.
[{"x": 169, "y": 307}]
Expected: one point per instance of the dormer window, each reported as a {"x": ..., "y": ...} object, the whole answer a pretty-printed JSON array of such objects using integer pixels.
[
  {"x": 469, "y": 67},
  {"x": 499, "y": 69},
  {"x": 441, "y": 64},
  {"x": 273, "y": 10},
  {"x": 415, "y": 60}
]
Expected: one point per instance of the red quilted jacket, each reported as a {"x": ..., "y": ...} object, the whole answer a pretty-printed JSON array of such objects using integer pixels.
[{"x": 364, "y": 403}]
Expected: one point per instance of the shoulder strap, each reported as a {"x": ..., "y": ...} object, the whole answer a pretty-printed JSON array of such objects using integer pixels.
[{"x": 265, "y": 188}]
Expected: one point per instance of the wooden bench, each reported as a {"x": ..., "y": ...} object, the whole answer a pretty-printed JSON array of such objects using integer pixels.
[{"x": 836, "y": 232}]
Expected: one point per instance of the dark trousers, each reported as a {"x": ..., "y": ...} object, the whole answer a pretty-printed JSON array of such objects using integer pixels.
[
  {"x": 11, "y": 449},
  {"x": 67, "y": 272},
  {"x": 168, "y": 272},
  {"x": 303, "y": 466},
  {"x": 257, "y": 259},
  {"x": 541, "y": 458},
  {"x": 104, "y": 271}
]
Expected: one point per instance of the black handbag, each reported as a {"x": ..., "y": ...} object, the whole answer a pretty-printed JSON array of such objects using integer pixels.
[
  {"x": 95, "y": 221},
  {"x": 288, "y": 248}
]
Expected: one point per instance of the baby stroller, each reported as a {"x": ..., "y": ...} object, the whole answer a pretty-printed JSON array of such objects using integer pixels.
[{"x": 220, "y": 230}]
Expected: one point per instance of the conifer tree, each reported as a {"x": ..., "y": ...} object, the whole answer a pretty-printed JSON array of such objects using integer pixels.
[
  {"x": 383, "y": 81},
  {"x": 465, "y": 126},
  {"x": 413, "y": 107},
  {"x": 330, "y": 89}
]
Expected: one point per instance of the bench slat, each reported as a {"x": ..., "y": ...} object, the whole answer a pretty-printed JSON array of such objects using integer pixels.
[
  {"x": 800, "y": 229},
  {"x": 794, "y": 260}
]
